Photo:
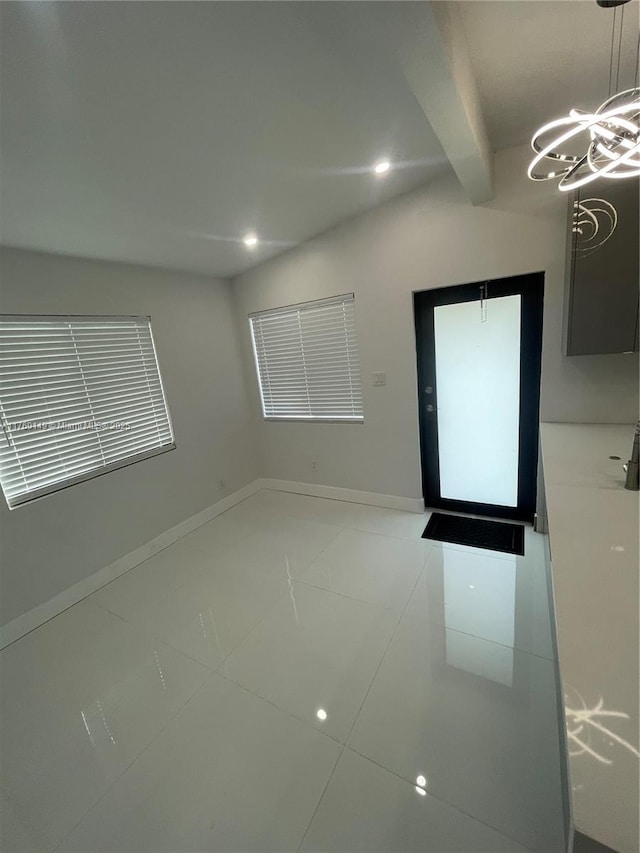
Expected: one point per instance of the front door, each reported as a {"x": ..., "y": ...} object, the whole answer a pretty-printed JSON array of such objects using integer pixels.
[{"x": 479, "y": 353}]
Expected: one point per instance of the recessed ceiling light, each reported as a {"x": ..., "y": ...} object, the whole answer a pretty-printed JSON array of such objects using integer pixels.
[
  {"x": 321, "y": 714},
  {"x": 382, "y": 167},
  {"x": 250, "y": 241}
]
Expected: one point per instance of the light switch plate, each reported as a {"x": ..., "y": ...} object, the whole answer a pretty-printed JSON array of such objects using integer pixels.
[{"x": 379, "y": 378}]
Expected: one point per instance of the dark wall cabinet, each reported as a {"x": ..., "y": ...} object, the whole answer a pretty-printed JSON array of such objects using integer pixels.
[{"x": 601, "y": 303}]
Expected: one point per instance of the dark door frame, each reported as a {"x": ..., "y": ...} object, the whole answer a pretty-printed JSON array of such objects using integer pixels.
[{"x": 531, "y": 289}]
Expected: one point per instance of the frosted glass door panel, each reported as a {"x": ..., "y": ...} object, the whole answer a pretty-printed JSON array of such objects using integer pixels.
[{"x": 478, "y": 399}]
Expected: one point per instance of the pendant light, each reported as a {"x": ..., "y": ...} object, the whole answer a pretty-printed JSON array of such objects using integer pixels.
[{"x": 612, "y": 144}]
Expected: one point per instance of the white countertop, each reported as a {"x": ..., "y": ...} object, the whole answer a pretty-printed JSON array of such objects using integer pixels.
[{"x": 594, "y": 532}]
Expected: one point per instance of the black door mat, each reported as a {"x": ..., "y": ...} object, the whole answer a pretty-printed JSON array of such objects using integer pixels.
[{"x": 479, "y": 532}]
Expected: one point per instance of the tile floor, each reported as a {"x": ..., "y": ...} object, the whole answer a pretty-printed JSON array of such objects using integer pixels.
[{"x": 298, "y": 674}]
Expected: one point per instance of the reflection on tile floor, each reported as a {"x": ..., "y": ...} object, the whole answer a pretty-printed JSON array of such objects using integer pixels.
[{"x": 299, "y": 673}]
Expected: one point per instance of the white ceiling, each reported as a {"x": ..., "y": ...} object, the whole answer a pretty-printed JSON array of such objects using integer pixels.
[
  {"x": 162, "y": 132},
  {"x": 535, "y": 59}
]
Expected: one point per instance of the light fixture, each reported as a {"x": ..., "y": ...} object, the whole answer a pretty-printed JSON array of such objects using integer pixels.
[
  {"x": 382, "y": 167},
  {"x": 613, "y": 134},
  {"x": 321, "y": 714},
  {"x": 594, "y": 221},
  {"x": 250, "y": 241},
  {"x": 421, "y": 785}
]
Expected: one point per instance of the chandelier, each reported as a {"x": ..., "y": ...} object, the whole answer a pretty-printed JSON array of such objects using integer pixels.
[{"x": 609, "y": 137}]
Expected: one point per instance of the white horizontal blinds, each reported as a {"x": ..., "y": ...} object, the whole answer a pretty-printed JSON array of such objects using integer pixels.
[
  {"x": 78, "y": 396},
  {"x": 307, "y": 360}
]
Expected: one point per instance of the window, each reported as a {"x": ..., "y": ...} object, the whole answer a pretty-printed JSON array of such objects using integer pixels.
[
  {"x": 307, "y": 361},
  {"x": 79, "y": 396}
]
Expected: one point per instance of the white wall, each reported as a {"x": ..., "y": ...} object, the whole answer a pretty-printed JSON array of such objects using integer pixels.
[
  {"x": 51, "y": 544},
  {"x": 430, "y": 238}
]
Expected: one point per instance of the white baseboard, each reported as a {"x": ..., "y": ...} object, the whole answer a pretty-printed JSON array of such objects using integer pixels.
[
  {"x": 351, "y": 495},
  {"x": 30, "y": 620}
]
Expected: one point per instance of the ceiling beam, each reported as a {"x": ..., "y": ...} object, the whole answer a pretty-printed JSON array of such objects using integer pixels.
[{"x": 437, "y": 67}]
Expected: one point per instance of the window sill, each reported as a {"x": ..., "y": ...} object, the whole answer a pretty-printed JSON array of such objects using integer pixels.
[{"x": 315, "y": 420}]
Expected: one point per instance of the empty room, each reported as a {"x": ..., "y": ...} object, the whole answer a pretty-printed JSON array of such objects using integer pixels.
[{"x": 319, "y": 426}]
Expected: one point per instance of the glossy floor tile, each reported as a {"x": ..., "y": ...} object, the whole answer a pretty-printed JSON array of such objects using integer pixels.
[
  {"x": 278, "y": 680},
  {"x": 16, "y": 836},
  {"x": 152, "y": 579},
  {"x": 371, "y": 519},
  {"x": 230, "y": 772},
  {"x": 81, "y": 698},
  {"x": 502, "y": 599},
  {"x": 378, "y": 569},
  {"x": 264, "y": 536},
  {"x": 315, "y": 656},
  {"x": 211, "y": 614},
  {"x": 367, "y": 808},
  {"x": 477, "y": 719}
]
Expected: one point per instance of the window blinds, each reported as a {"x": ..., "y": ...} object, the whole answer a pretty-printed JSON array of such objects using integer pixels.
[
  {"x": 79, "y": 396},
  {"x": 307, "y": 361}
]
